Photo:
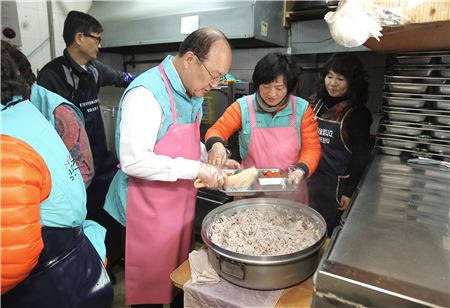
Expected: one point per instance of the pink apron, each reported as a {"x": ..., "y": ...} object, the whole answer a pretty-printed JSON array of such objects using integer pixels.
[
  {"x": 160, "y": 218},
  {"x": 275, "y": 147}
]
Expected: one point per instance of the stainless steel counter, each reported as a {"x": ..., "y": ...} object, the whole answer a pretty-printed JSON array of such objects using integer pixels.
[{"x": 394, "y": 246}]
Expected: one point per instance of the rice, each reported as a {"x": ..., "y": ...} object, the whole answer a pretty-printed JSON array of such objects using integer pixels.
[{"x": 264, "y": 232}]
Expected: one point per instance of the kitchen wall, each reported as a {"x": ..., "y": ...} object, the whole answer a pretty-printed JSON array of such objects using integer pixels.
[{"x": 34, "y": 28}]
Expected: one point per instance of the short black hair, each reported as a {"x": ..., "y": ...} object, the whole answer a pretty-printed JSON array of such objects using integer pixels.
[
  {"x": 79, "y": 22},
  {"x": 349, "y": 66},
  {"x": 199, "y": 42},
  {"x": 11, "y": 83},
  {"x": 273, "y": 65},
  {"x": 22, "y": 63}
]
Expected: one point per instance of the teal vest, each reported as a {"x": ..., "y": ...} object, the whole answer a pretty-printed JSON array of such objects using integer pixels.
[
  {"x": 187, "y": 110},
  {"x": 264, "y": 119},
  {"x": 65, "y": 207},
  {"x": 46, "y": 102}
]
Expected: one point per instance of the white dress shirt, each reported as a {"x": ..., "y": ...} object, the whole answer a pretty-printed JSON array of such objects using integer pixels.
[{"x": 141, "y": 120}]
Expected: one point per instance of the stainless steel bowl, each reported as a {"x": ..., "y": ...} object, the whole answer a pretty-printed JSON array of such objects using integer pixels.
[{"x": 264, "y": 272}]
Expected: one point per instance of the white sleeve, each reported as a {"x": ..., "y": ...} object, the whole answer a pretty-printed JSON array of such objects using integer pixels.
[{"x": 141, "y": 120}]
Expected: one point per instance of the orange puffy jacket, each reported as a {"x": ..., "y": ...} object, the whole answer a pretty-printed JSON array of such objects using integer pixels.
[{"x": 25, "y": 183}]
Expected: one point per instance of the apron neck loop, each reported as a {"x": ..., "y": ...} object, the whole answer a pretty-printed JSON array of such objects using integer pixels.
[{"x": 169, "y": 91}]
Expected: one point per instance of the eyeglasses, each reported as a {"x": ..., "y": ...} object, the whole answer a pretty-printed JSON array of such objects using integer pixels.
[
  {"x": 97, "y": 38},
  {"x": 215, "y": 79}
]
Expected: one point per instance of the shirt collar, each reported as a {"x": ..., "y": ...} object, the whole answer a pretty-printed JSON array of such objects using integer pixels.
[{"x": 73, "y": 64}]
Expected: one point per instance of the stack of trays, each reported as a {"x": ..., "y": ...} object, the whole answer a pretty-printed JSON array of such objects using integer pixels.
[{"x": 416, "y": 105}]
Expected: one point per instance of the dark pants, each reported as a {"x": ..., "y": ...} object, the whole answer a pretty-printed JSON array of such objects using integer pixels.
[
  {"x": 96, "y": 194},
  {"x": 177, "y": 302},
  {"x": 322, "y": 198},
  {"x": 69, "y": 274}
]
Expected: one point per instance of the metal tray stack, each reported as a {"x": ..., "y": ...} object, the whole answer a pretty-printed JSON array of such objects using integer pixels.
[{"x": 416, "y": 105}]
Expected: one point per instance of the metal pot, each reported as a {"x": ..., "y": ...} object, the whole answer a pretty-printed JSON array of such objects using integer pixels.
[{"x": 264, "y": 272}]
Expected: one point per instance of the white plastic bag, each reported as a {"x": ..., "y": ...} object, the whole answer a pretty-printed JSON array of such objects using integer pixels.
[{"x": 351, "y": 25}]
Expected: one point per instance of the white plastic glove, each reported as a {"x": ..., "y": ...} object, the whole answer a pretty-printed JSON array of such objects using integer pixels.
[
  {"x": 296, "y": 176},
  {"x": 231, "y": 164},
  {"x": 211, "y": 176},
  {"x": 218, "y": 154}
]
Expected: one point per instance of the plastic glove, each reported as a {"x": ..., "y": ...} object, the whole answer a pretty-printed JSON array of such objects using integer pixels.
[
  {"x": 296, "y": 176},
  {"x": 231, "y": 164},
  {"x": 127, "y": 78},
  {"x": 211, "y": 176},
  {"x": 218, "y": 154}
]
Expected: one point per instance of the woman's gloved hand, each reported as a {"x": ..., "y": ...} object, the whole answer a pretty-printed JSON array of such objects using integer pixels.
[
  {"x": 211, "y": 176},
  {"x": 218, "y": 154},
  {"x": 231, "y": 164},
  {"x": 296, "y": 175}
]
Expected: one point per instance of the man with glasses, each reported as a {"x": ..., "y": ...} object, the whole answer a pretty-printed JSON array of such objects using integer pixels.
[
  {"x": 77, "y": 76},
  {"x": 159, "y": 148}
]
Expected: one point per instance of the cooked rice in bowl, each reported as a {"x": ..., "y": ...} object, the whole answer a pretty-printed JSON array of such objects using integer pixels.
[{"x": 264, "y": 232}]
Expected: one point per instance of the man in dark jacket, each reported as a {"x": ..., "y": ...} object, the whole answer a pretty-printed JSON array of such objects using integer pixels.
[{"x": 77, "y": 76}]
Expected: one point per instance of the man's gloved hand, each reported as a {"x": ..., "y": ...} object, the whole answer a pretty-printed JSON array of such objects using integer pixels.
[
  {"x": 127, "y": 78},
  {"x": 218, "y": 154},
  {"x": 296, "y": 175},
  {"x": 211, "y": 176}
]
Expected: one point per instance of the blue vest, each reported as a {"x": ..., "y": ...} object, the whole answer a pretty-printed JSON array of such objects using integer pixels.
[
  {"x": 46, "y": 102},
  {"x": 187, "y": 110},
  {"x": 264, "y": 119},
  {"x": 65, "y": 207}
]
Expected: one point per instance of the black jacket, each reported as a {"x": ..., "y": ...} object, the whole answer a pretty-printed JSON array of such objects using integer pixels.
[{"x": 80, "y": 86}]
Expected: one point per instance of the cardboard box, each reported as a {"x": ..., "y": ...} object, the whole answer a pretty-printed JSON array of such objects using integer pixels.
[{"x": 416, "y": 11}]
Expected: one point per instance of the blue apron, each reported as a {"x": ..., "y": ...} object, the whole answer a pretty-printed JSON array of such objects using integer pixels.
[{"x": 66, "y": 205}]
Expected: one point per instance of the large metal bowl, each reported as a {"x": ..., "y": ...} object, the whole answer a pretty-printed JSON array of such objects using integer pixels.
[{"x": 264, "y": 272}]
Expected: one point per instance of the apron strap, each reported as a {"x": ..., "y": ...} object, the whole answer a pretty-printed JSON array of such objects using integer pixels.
[
  {"x": 251, "y": 111},
  {"x": 169, "y": 90},
  {"x": 294, "y": 111}
]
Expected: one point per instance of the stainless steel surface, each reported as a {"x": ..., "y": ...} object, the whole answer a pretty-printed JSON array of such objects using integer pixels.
[
  {"x": 403, "y": 129},
  {"x": 441, "y": 134},
  {"x": 406, "y": 116},
  {"x": 405, "y": 102},
  {"x": 399, "y": 143},
  {"x": 264, "y": 272},
  {"x": 445, "y": 105},
  {"x": 413, "y": 59},
  {"x": 134, "y": 23},
  {"x": 109, "y": 121},
  {"x": 407, "y": 87},
  {"x": 258, "y": 189},
  {"x": 439, "y": 148},
  {"x": 394, "y": 249}
]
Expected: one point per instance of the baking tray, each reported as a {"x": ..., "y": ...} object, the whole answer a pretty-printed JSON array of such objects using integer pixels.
[{"x": 281, "y": 184}]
